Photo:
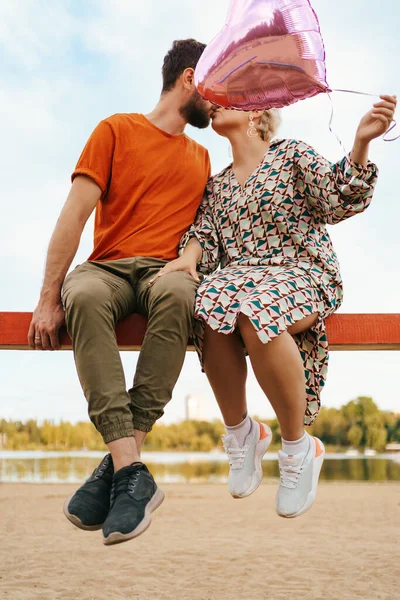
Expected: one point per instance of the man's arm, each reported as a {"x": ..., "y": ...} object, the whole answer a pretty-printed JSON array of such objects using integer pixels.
[{"x": 49, "y": 314}]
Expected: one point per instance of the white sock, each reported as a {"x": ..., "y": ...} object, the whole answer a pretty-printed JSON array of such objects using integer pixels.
[
  {"x": 296, "y": 446},
  {"x": 240, "y": 431}
]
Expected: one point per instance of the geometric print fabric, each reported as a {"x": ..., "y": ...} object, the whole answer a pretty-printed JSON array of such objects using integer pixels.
[
  {"x": 267, "y": 251},
  {"x": 273, "y": 299}
]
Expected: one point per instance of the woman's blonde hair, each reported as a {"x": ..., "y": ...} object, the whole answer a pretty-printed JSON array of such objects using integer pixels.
[{"x": 268, "y": 124}]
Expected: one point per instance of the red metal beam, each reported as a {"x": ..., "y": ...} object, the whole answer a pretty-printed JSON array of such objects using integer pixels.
[{"x": 345, "y": 332}]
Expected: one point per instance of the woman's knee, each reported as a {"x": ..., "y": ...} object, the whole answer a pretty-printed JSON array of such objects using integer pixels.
[
  {"x": 247, "y": 329},
  {"x": 303, "y": 324},
  {"x": 244, "y": 325}
]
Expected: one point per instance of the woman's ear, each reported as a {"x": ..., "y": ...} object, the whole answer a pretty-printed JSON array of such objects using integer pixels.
[{"x": 257, "y": 114}]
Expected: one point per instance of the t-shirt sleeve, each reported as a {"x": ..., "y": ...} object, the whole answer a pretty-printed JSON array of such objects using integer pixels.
[{"x": 96, "y": 158}]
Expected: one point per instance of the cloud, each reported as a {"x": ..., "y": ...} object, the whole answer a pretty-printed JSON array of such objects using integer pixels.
[
  {"x": 67, "y": 65},
  {"x": 33, "y": 30}
]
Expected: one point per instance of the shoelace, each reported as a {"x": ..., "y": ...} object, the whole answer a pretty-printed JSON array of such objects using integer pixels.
[
  {"x": 290, "y": 475},
  {"x": 102, "y": 468},
  {"x": 125, "y": 483},
  {"x": 236, "y": 456}
]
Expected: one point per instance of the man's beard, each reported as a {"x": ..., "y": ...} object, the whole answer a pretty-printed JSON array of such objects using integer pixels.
[{"x": 195, "y": 113}]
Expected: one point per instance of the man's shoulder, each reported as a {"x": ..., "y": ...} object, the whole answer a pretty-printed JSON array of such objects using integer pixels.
[
  {"x": 122, "y": 120},
  {"x": 199, "y": 147}
]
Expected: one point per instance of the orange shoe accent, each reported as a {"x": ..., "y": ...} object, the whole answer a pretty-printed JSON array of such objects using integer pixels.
[
  {"x": 263, "y": 432},
  {"x": 318, "y": 448}
]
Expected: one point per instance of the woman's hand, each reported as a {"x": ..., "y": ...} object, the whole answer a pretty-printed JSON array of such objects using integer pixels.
[
  {"x": 377, "y": 120},
  {"x": 183, "y": 263}
]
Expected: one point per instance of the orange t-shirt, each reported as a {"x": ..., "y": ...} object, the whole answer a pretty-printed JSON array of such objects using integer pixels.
[{"x": 151, "y": 183}]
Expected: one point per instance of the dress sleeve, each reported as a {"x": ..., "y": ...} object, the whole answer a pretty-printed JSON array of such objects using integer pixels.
[
  {"x": 97, "y": 156},
  {"x": 333, "y": 191},
  {"x": 204, "y": 230}
]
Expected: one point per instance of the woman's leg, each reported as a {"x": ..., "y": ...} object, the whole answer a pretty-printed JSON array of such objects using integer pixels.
[
  {"x": 280, "y": 372},
  {"x": 246, "y": 441},
  {"x": 226, "y": 369}
]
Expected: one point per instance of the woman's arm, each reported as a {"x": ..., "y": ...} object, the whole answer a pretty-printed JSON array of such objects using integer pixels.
[
  {"x": 199, "y": 247},
  {"x": 203, "y": 230},
  {"x": 193, "y": 251},
  {"x": 374, "y": 124},
  {"x": 335, "y": 192}
]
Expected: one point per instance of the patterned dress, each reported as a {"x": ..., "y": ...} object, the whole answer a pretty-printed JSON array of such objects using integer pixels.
[{"x": 267, "y": 253}]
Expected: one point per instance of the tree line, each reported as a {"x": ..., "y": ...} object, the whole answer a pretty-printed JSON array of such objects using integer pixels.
[{"x": 357, "y": 424}]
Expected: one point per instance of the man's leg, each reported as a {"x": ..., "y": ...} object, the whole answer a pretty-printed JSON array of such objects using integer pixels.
[
  {"x": 95, "y": 299},
  {"x": 169, "y": 305}
]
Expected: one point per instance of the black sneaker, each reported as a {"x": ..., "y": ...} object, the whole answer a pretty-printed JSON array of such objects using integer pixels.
[
  {"x": 134, "y": 496},
  {"x": 88, "y": 507}
]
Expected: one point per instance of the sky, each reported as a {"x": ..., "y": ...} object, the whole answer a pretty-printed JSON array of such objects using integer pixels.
[{"x": 67, "y": 64}]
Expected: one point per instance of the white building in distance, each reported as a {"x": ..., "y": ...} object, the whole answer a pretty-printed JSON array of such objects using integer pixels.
[{"x": 197, "y": 408}]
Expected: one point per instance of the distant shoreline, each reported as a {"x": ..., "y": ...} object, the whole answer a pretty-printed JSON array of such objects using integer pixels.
[{"x": 176, "y": 455}]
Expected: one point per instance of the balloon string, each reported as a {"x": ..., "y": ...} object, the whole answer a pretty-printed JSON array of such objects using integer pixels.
[
  {"x": 385, "y": 139},
  {"x": 355, "y": 92},
  {"x": 330, "y": 123},
  {"x": 391, "y": 139}
]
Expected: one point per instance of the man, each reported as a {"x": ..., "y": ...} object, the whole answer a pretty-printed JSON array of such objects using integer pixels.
[{"x": 145, "y": 178}]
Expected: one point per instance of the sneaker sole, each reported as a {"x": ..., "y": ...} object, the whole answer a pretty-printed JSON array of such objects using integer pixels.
[
  {"x": 117, "y": 538},
  {"x": 261, "y": 448},
  {"x": 76, "y": 520},
  {"x": 312, "y": 495}
]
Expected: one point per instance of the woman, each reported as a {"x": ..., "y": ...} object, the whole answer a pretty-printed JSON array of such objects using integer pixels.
[{"x": 263, "y": 220}]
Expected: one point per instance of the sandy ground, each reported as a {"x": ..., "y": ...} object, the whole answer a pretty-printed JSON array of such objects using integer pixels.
[{"x": 203, "y": 545}]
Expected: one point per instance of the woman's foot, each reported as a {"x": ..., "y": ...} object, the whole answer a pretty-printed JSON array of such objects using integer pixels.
[
  {"x": 299, "y": 479},
  {"x": 245, "y": 474}
]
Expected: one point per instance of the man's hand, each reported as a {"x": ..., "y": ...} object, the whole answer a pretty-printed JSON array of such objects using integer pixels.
[
  {"x": 377, "y": 121},
  {"x": 45, "y": 325},
  {"x": 49, "y": 314},
  {"x": 183, "y": 263}
]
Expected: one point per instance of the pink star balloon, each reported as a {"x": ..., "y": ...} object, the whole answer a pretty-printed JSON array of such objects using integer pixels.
[{"x": 269, "y": 54}]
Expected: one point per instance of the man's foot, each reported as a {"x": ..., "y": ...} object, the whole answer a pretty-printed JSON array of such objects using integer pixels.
[
  {"x": 299, "y": 479},
  {"x": 88, "y": 507},
  {"x": 134, "y": 496},
  {"x": 245, "y": 474}
]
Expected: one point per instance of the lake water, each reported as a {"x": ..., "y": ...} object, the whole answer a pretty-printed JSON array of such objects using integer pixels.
[{"x": 182, "y": 467}]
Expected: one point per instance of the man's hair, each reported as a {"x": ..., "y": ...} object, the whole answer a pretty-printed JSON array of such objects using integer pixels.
[{"x": 184, "y": 54}]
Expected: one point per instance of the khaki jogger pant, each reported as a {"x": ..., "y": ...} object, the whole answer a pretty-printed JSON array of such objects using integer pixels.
[{"x": 98, "y": 294}]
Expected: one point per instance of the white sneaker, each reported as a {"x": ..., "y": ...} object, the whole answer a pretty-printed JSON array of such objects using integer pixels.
[
  {"x": 245, "y": 474},
  {"x": 299, "y": 479}
]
